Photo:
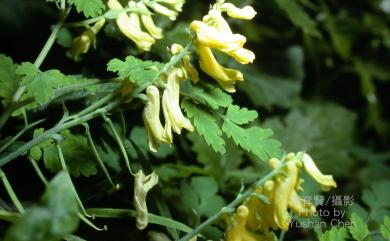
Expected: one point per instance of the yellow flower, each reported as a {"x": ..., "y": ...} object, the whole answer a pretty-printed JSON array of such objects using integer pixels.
[
  {"x": 153, "y": 30},
  {"x": 151, "y": 118},
  {"x": 130, "y": 26},
  {"x": 214, "y": 32},
  {"x": 299, "y": 206},
  {"x": 82, "y": 43},
  {"x": 176, "y": 4},
  {"x": 326, "y": 181},
  {"x": 237, "y": 228},
  {"x": 148, "y": 22},
  {"x": 142, "y": 184},
  {"x": 161, "y": 9},
  {"x": 283, "y": 190},
  {"x": 187, "y": 70},
  {"x": 246, "y": 12},
  {"x": 213, "y": 38},
  {"x": 174, "y": 118},
  {"x": 224, "y": 76}
]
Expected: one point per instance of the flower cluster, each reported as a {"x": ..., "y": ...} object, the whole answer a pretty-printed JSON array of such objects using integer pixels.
[
  {"x": 130, "y": 24},
  {"x": 255, "y": 219},
  {"x": 175, "y": 121},
  {"x": 213, "y": 32}
]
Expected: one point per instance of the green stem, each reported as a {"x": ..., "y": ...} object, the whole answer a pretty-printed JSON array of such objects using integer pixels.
[
  {"x": 97, "y": 104},
  {"x": 14, "y": 138},
  {"x": 97, "y": 156},
  {"x": 120, "y": 142},
  {"x": 64, "y": 168},
  {"x": 52, "y": 38},
  {"x": 11, "y": 192},
  {"x": 231, "y": 206},
  {"x": 8, "y": 216},
  {"x": 38, "y": 61},
  {"x": 39, "y": 172}
]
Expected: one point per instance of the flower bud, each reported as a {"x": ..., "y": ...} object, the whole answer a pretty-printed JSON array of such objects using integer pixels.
[
  {"x": 246, "y": 12},
  {"x": 142, "y": 184},
  {"x": 189, "y": 72},
  {"x": 82, "y": 43}
]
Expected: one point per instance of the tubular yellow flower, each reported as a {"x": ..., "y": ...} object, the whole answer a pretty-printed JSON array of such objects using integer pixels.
[
  {"x": 225, "y": 77},
  {"x": 82, "y": 43},
  {"x": 176, "y": 4},
  {"x": 299, "y": 206},
  {"x": 215, "y": 18},
  {"x": 153, "y": 30},
  {"x": 211, "y": 37},
  {"x": 151, "y": 118},
  {"x": 161, "y": 9},
  {"x": 243, "y": 56},
  {"x": 246, "y": 12},
  {"x": 142, "y": 184},
  {"x": 130, "y": 26},
  {"x": 283, "y": 192},
  {"x": 326, "y": 181},
  {"x": 174, "y": 118}
]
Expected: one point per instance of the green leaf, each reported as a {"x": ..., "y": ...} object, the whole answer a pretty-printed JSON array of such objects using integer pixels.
[
  {"x": 385, "y": 228},
  {"x": 71, "y": 237},
  {"x": 209, "y": 95},
  {"x": 90, "y": 8},
  {"x": 253, "y": 139},
  {"x": 202, "y": 196},
  {"x": 239, "y": 115},
  {"x": 299, "y": 17},
  {"x": 77, "y": 154},
  {"x": 8, "y": 79},
  {"x": 53, "y": 218},
  {"x": 334, "y": 234},
  {"x": 358, "y": 229},
  {"x": 42, "y": 85},
  {"x": 377, "y": 199},
  {"x": 136, "y": 70},
  {"x": 206, "y": 125},
  {"x": 325, "y": 131}
]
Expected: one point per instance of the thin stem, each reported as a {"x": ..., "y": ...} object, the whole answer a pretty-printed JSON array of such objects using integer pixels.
[
  {"x": 50, "y": 41},
  {"x": 120, "y": 142},
  {"x": 56, "y": 129},
  {"x": 20, "y": 133},
  {"x": 231, "y": 206},
  {"x": 97, "y": 104},
  {"x": 11, "y": 217},
  {"x": 89, "y": 223},
  {"x": 11, "y": 192},
  {"x": 97, "y": 156},
  {"x": 38, "y": 61},
  {"x": 39, "y": 171},
  {"x": 64, "y": 168}
]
